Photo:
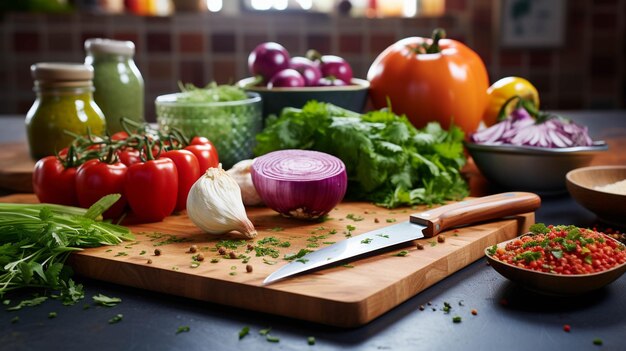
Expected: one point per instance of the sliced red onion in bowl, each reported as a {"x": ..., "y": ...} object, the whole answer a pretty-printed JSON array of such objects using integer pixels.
[
  {"x": 300, "y": 183},
  {"x": 521, "y": 129}
]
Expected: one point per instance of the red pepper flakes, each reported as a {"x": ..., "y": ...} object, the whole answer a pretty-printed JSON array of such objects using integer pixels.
[
  {"x": 474, "y": 312},
  {"x": 565, "y": 250},
  {"x": 567, "y": 328},
  {"x": 441, "y": 239}
]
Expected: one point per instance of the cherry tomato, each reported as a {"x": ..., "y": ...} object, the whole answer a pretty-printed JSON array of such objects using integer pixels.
[
  {"x": 53, "y": 183},
  {"x": 119, "y": 136},
  {"x": 129, "y": 156},
  {"x": 95, "y": 179},
  {"x": 206, "y": 154},
  {"x": 504, "y": 89},
  {"x": 200, "y": 140},
  {"x": 188, "y": 170},
  {"x": 152, "y": 189},
  {"x": 448, "y": 85}
]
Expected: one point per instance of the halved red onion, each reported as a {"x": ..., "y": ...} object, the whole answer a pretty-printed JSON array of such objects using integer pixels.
[{"x": 300, "y": 183}]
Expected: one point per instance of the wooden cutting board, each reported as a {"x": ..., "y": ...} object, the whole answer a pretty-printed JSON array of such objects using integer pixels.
[
  {"x": 345, "y": 295},
  {"x": 16, "y": 167}
]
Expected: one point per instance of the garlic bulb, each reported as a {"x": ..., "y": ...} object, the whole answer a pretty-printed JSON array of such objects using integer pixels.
[
  {"x": 241, "y": 174},
  {"x": 214, "y": 204}
]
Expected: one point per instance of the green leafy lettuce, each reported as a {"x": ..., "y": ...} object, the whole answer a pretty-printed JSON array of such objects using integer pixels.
[{"x": 388, "y": 161}]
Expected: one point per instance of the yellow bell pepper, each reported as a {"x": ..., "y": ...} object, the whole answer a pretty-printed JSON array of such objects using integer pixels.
[{"x": 503, "y": 90}]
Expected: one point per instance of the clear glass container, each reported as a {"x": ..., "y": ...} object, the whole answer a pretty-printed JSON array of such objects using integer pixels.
[
  {"x": 230, "y": 125},
  {"x": 64, "y": 104},
  {"x": 119, "y": 86}
]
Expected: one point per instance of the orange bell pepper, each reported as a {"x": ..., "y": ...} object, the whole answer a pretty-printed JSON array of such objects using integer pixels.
[{"x": 434, "y": 79}]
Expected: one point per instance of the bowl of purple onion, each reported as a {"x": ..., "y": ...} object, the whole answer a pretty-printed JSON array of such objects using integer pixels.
[
  {"x": 284, "y": 80},
  {"x": 532, "y": 151}
]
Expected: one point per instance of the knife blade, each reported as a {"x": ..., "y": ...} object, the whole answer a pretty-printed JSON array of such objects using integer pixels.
[{"x": 424, "y": 224}]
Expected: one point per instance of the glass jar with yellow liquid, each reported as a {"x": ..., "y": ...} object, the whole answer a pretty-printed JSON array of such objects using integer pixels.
[{"x": 64, "y": 105}]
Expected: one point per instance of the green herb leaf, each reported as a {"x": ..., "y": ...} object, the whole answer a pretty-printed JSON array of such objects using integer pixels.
[
  {"x": 101, "y": 205},
  {"x": 402, "y": 253},
  {"x": 298, "y": 255},
  {"x": 528, "y": 256},
  {"x": 265, "y": 331},
  {"x": 354, "y": 217},
  {"x": 116, "y": 319},
  {"x": 366, "y": 241},
  {"x": 106, "y": 301},
  {"x": 243, "y": 332},
  {"x": 28, "y": 303},
  {"x": 456, "y": 319},
  {"x": 183, "y": 329},
  {"x": 72, "y": 293},
  {"x": 272, "y": 338},
  {"x": 492, "y": 250},
  {"x": 558, "y": 254},
  {"x": 52, "y": 315},
  {"x": 539, "y": 228},
  {"x": 310, "y": 340}
]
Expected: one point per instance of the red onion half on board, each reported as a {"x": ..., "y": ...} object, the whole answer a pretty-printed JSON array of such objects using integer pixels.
[{"x": 300, "y": 183}]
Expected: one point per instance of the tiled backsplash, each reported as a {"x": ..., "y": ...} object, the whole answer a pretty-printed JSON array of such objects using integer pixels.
[{"x": 587, "y": 71}]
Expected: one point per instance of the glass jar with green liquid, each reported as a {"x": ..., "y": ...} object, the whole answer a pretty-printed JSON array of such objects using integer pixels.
[
  {"x": 64, "y": 105},
  {"x": 117, "y": 80}
]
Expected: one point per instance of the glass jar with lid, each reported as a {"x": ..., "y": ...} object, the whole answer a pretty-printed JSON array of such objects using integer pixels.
[
  {"x": 119, "y": 86},
  {"x": 64, "y": 105}
]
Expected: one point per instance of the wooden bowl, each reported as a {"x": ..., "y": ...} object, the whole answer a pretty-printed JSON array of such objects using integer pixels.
[
  {"x": 555, "y": 284},
  {"x": 609, "y": 207}
]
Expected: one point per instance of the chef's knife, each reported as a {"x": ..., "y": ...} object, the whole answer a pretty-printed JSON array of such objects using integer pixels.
[{"x": 425, "y": 224}]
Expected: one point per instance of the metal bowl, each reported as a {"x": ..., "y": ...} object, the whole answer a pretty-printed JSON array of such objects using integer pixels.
[
  {"x": 609, "y": 207},
  {"x": 531, "y": 168}
]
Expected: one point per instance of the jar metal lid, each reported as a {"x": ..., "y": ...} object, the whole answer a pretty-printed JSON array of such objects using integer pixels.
[
  {"x": 109, "y": 46},
  {"x": 61, "y": 72}
]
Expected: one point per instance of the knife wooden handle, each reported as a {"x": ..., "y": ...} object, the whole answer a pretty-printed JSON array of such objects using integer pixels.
[{"x": 480, "y": 209}]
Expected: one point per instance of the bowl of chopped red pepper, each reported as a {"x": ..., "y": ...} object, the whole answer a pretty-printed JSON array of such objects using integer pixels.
[{"x": 559, "y": 260}]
